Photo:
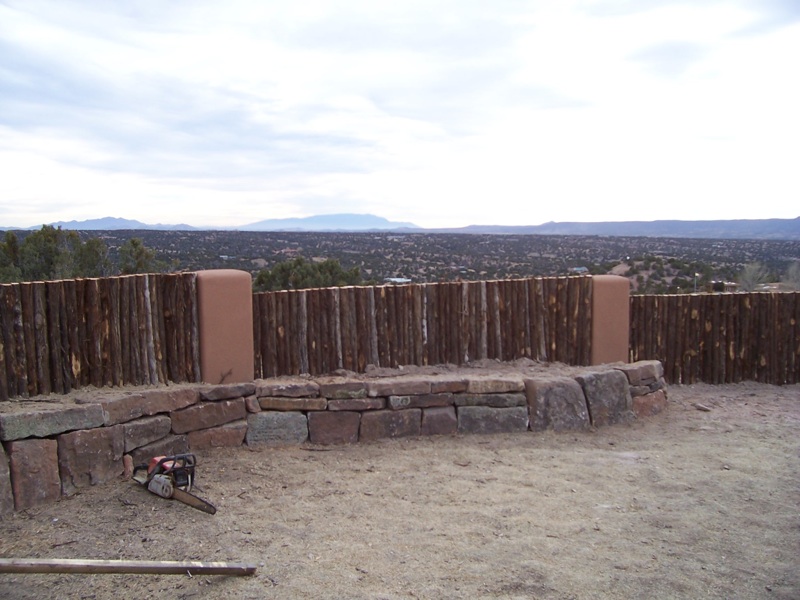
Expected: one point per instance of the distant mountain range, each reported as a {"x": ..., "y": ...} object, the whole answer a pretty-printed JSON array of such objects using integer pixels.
[
  {"x": 338, "y": 222},
  {"x": 114, "y": 223},
  {"x": 775, "y": 229}
]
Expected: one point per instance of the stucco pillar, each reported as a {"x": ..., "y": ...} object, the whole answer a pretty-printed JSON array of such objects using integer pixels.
[
  {"x": 225, "y": 313},
  {"x": 610, "y": 319}
]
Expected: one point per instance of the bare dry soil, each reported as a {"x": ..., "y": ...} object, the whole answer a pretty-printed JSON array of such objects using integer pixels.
[{"x": 691, "y": 503}]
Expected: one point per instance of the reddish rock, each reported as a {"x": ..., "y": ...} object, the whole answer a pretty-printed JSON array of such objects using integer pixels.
[
  {"x": 228, "y": 435},
  {"x": 207, "y": 414},
  {"x": 89, "y": 457},
  {"x": 485, "y": 419},
  {"x": 287, "y": 388},
  {"x": 227, "y": 392},
  {"x": 343, "y": 390},
  {"x": 168, "y": 446},
  {"x": 401, "y": 386},
  {"x": 120, "y": 409},
  {"x": 642, "y": 390},
  {"x": 425, "y": 401},
  {"x": 643, "y": 372},
  {"x": 45, "y": 423},
  {"x": 496, "y": 385},
  {"x": 127, "y": 466},
  {"x": 277, "y": 403},
  {"x": 6, "y": 493},
  {"x": 389, "y": 424},
  {"x": 34, "y": 472},
  {"x": 333, "y": 427},
  {"x": 439, "y": 421},
  {"x": 650, "y": 404},
  {"x": 452, "y": 386},
  {"x": 251, "y": 404},
  {"x": 145, "y": 431},
  {"x": 357, "y": 404}
]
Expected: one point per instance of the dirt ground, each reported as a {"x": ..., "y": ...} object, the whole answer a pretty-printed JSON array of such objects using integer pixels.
[{"x": 687, "y": 504}]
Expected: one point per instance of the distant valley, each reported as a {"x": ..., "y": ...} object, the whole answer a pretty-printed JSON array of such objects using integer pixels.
[{"x": 653, "y": 264}]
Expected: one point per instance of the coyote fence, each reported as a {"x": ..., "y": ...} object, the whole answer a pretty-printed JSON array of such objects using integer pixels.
[
  {"x": 318, "y": 331},
  {"x": 56, "y": 336},
  {"x": 719, "y": 338}
]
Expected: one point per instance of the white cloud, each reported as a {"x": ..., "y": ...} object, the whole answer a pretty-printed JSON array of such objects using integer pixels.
[{"x": 443, "y": 113}]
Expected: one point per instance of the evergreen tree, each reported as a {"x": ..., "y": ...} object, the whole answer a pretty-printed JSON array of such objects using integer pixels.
[
  {"x": 9, "y": 259},
  {"x": 47, "y": 254},
  {"x": 91, "y": 259},
  {"x": 135, "y": 257},
  {"x": 298, "y": 274}
]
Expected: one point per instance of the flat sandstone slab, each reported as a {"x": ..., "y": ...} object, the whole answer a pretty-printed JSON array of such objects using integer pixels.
[{"x": 45, "y": 423}]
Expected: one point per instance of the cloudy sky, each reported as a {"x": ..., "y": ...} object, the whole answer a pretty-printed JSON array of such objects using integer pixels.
[{"x": 440, "y": 113}]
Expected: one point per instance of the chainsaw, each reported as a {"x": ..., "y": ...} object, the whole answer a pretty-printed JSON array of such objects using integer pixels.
[{"x": 172, "y": 477}]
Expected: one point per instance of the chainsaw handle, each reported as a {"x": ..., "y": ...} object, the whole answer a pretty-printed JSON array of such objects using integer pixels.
[{"x": 167, "y": 464}]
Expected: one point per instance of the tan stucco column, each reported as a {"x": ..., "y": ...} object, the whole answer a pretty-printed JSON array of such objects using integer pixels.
[
  {"x": 610, "y": 319},
  {"x": 225, "y": 311}
]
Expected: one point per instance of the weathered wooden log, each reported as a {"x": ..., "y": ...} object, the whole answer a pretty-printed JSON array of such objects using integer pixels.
[
  {"x": 268, "y": 332},
  {"x": 455, "y": 310},
  {"x": 54, "y": 336},
  {"x": 373, "y": 320},
  {"x": 179, "y": 328},
  {"x": 21, "y": 357},
  {"x": 141, "y": 567},
  {"x": 392, "y": 327},
  {"x": 42, "y": 350},
  {"x": 149, "y": 359},
  {"x": 381, "y": 332},
  {"x": 63, "y": 333},
  {"x": 192, "y": 327},
  {"x": 287, "y": 339},
  {"x": 72, "y": 321},
  {"x": 169, "y": 342},
  {"x": 8, "y": 300},
  {"x": 124, "y": 328},
  {"x": 93, "y": 340},
  {"x": 257, "y": 348},
  {"x": 106, "y": 351},
  {"x": 313, "y": 329},
  {"x": 337, "y": 325},
  {"x": 301, "y": 318},
  {"x": 134, "y": 334},
  {"x": 364, "y": 325},
  {"x": 8, "y": 387},
  {"x": 431, "y": 323},
  {"x": 29, "y": 335}
]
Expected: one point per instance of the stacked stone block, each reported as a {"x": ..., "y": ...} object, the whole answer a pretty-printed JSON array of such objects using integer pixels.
[
  {"x": 53, "y": 452},
  {"x": 647, "y": 387}
]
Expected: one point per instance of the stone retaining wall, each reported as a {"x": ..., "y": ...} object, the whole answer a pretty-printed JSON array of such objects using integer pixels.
[{"x": 49, "y": 451}]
